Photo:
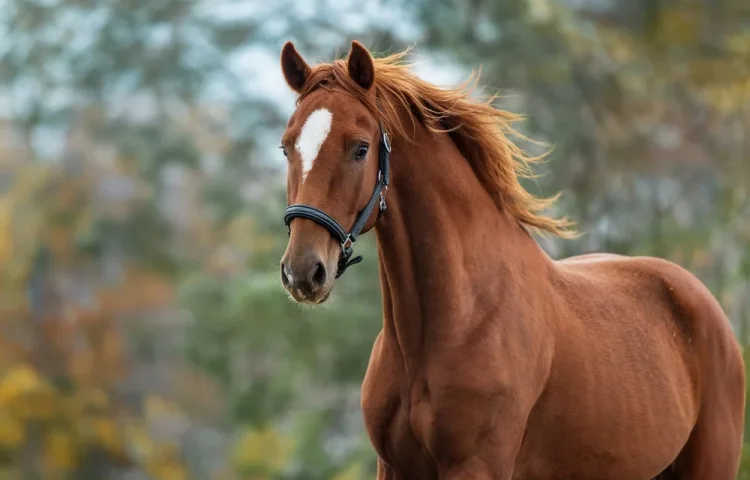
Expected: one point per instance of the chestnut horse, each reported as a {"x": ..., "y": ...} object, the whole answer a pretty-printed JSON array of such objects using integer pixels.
[{"x": 495, "y": 361}]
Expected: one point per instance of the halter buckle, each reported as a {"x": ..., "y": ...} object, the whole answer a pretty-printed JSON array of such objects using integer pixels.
[
  {"x": 383, "y": 206},
  {"x": 347, "y": 243}
]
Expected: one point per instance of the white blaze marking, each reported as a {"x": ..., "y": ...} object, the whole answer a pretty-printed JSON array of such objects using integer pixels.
[{"x": 314, "y": 133}]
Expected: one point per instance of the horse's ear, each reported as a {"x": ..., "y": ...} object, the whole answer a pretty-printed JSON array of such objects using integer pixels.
[
  {"x": 296, "y": 70},
  {"x": 361, "y": 66}
]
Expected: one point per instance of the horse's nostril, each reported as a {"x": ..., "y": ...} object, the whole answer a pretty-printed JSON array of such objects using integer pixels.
[
  {"x": 319, "y": 275},
  {"x": 285, "y": 276}
]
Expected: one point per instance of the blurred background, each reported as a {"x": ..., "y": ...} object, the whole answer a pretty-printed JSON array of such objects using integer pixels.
[{"x": 144, "y": 333}]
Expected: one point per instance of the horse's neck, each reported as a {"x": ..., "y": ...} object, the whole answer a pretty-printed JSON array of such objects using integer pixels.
[{"x": 448, "y": 258}]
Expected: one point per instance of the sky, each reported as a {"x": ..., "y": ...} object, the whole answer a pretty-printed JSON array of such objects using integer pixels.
[
  {"x": 259, "y": 64},
  {"x": 256, "y": 67}
]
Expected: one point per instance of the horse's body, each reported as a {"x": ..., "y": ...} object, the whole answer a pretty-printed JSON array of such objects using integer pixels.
[{"x": 495, "y": 361}]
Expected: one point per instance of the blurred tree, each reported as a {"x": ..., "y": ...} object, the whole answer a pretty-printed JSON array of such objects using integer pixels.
[
  {"x": 63, "y": 357},
  {"x": 163, "y": 136}
]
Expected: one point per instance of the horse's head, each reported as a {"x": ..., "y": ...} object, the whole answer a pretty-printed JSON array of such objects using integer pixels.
[{"x": 337, "y": 169}]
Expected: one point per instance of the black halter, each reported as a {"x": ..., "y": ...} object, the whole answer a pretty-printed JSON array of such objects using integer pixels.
[{"x": 335, "y": 229}]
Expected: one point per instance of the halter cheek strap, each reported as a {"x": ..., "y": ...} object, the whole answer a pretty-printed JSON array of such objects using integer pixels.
[{"x": 347, "y": 239}]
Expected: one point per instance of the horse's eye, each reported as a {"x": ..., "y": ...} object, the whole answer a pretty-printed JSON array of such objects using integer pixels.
[
  {"x": 283, "y": 149},
  {"x": 361, "y": 152}
]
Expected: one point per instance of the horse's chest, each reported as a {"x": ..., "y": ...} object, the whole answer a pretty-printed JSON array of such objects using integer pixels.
[{"x": 393, "y": 420}]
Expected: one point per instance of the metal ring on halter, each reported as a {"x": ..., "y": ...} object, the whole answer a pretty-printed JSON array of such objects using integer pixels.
[{"x": 347, "y": 243}]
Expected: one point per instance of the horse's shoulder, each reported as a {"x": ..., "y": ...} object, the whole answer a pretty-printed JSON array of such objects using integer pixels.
[{"x": 380, "y": 384}]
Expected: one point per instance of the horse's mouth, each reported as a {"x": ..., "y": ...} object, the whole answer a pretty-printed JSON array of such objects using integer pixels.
[{"x": 315, "y": 298}]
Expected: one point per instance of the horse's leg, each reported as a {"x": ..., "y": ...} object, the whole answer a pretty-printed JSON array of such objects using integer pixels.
[
  {"x": 473, "y": 469},
  {"x": 384, "y": 471},
  {"x": 713, "y": 450},
  {"x": 497, "y": 462},
  {"x": 714, "y": 447}
]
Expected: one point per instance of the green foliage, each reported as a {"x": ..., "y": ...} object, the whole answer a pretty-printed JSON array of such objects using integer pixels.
[
  {"x": 280, "y": 362},
  {"x": 164, "y": 171},
  {"x": 744, "y": 473}
]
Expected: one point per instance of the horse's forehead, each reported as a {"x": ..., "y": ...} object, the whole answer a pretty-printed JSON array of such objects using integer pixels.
[
  {"x": 315, "y": 130},
  {"x": 343, "y": 107},
  {"x": 319, "y": 123}
]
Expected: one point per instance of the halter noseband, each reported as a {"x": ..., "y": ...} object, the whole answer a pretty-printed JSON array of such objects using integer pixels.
[{"x": 334, "y": 228}]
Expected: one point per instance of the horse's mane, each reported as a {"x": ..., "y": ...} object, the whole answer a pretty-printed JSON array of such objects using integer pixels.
[{"x": 479, "y": 130}]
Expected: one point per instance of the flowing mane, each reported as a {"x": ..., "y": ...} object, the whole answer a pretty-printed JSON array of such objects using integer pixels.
[{"x": 479, "y": 130}]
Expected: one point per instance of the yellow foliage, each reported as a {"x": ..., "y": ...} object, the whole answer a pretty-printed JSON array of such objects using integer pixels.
[
  {"x": 739, "y": 44},
  {"x": 6, "y": 230},
  {"x": 679, "y": 25},
  {"x": 10, "y": 472},
  {"x": 29, "y": 180},
  {"x": 42, "y": 406},
  {"x": 139, "y": 443},
  {"x": 19, "y": 380},
  {"x": 12, "y": 431},
  {"x": 59, "y": 449},
  {"x": 101, "y": 431},
  {"x": 727, "y": 98},
  {"x": 25, "y": 394},
  {"x": 265, "y": 449},
  {"x": 87, "y": 399},
  {"x": 108, "y": 435},
  {"x": 540, "y": 11},
  {"x": 164, "y": 464},
  {"x": 167, "y": 471},
  {"x": 620, "y": 45}
]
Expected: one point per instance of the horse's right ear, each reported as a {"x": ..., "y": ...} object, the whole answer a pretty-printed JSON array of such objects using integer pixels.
[{"x": 296, "y": 70}]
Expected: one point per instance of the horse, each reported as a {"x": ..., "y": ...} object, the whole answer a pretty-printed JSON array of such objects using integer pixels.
[{"x": 495, "y": 361}]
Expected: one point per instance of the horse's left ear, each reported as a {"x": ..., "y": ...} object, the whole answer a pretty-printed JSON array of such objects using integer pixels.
[{"x": 361, "y": 66}]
